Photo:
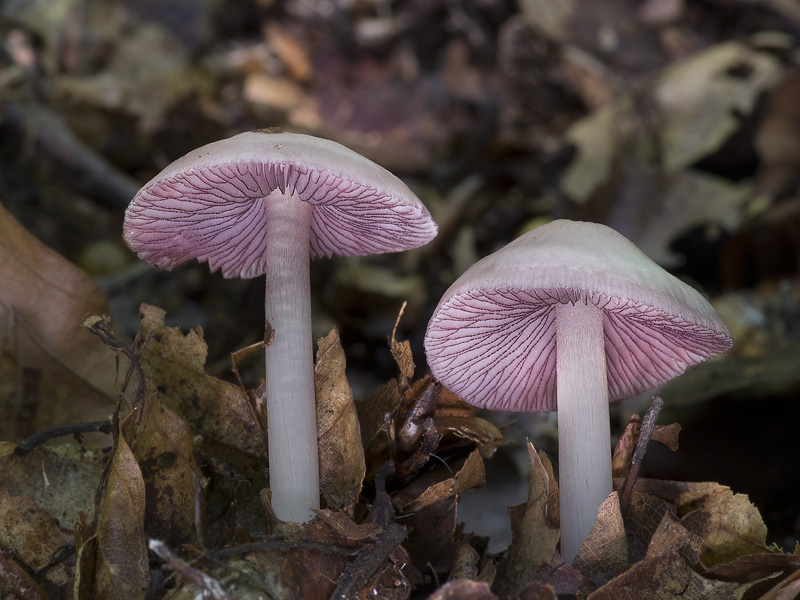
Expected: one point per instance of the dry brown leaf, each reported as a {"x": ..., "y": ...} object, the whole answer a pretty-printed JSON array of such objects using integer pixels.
[
  {"x": 401, "y": 351},
  {"x": 667, "y": 569},
  {"x": 16, "y": 581},
  {"x": 666, "y": 578},
  {"x": 475, "y": 429},
  {"x": 440, "y": 484},
  {"x": 375, "y": 411},
  {"x": 604, "y": 552},
  {"x": 465, "y": 564},
  {"x": 734, "y": 528},
  {"x": 162, "y": 445},
  {"x": 346, "y": 528},
  {"x": 175, "y": 363},
  {"x": 68, "y": 374},
  {"x": 534, "y": 541},
  {"x": 623, "y": 451},
  {"x": 60, "y": 479},
  {"x": 113, "y": 563},
  {"x": 34, "y": 537},
  {"x": 755, "y": 567},
  {"x": 341, "y": 453}
]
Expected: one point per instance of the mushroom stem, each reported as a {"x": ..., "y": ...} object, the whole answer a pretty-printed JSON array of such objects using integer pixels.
[
  {"x": 291, "y": 408},
  {"x": 584, "y": 432}
]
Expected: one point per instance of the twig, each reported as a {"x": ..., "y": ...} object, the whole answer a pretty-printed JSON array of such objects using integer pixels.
[
  {"x": 206, "y": 582},
  {"x": 358, "y": 573},
  {"x": 29, "y": 444},
  {"x": 645, "y": 431}
]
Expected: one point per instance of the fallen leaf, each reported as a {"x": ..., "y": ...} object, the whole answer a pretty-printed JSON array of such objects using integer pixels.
[
  {"x": 604, "y": 553},
  {"x": 735, "y": 527},
  {"x": 113, "y": 563},
  {"x": 35, "y": 539},
  {"x": 60, "y": 479},
  {"x": 16, "y": 581},
  {"x": 162, "y": 446},
  {"x": 623, "y": 451},
  {"x": 692, "y": 108},
  {"x": 484, "y": 434},
  {"x": 533, "y": 539},
  {"x": 440, "y": 484},
  {"x": 175, "y": 363},
  {"x": 43, "y": 298},
  {"x": 341, "y": 453},
  {"x": 666, "y": 578}
]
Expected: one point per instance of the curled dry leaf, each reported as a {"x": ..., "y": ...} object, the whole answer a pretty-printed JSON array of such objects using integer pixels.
[
  {"x": 341, "y": 453},
  {"x": 175, "y": 363},
  {"x": 162, "y": 445},
  {"x": 604, "y": 553},
  {"x": 667, "y": 570},
  {"x": 533, "y": 545},
  {"x": 623, "y": 451},
  {"x": 440, "y": 484},
  {"x": 69, "y": 375},
  {"x": 113, "y": 563},
  {"x": 734, "y": 528}
]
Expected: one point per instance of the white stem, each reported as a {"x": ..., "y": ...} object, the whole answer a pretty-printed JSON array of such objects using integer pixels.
[
  {"x": 291, "y": 409},
  {"x": 584, "y": 432}
]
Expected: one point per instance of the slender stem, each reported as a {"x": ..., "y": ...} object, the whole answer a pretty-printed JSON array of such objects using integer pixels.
[
  {"x": 291, "y": 409},
  {"x": 584, "y": 432}
]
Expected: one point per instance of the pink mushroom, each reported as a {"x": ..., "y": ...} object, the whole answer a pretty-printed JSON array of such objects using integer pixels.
[
  {"x": 569, "y": 317},
  {"x": 264, "y": 203}
]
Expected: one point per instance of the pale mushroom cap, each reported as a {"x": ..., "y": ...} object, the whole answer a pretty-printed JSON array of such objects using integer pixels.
[
  {"x": 492, "y": 336},
  {"x": 209, "y": 205}
]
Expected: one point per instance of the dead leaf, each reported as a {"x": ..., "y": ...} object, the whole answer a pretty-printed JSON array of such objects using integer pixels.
[
  {"x": 35, "y": 538},
  {"x": 346, "y": 528},
  {"x": 692, "y": 107},
  {"x": 60, "y": 479},
  {"x": 604, "y": 552},
  {"x": 113, "y": 563},
  {"x": 401, "y": 351},
  {"x": 481, "y": 432},
  {"x": 440, "y": 484},
  {"x": 162, "y": 445},
  {"x": 175, "y": 363},
  {"x": 43, "y": 298},
  {"x": 666, "y": 578},
  {"x": 623, "y": 451},
  {"x": 15, "y": 580},
  {"x": 341, "y": 453},
  {"x": 533, "y": 544},
  {"x": 735, "y": 527}
]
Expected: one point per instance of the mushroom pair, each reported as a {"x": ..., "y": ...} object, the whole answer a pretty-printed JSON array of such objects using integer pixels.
[
  {"x": 264, "y": 203},
  {"x": 568, "y": 317}
]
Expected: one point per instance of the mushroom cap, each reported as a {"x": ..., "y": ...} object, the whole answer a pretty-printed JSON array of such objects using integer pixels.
[
  {"x": 209, "y": 205},
  {"x": 492, "y": 337}
]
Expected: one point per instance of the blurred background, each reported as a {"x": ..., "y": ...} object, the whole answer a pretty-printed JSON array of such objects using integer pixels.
[{"x": 677, "y": 122}]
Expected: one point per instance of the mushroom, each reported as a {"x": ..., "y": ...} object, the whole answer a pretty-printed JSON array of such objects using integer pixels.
[
  {"x": 568, "y": 317},
  {"x": 263, "y": 203}
]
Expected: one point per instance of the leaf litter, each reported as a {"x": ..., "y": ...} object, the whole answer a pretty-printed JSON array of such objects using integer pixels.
[
  {"x": 177, "y": 494},
  {"x": 394, "y": 469}
]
